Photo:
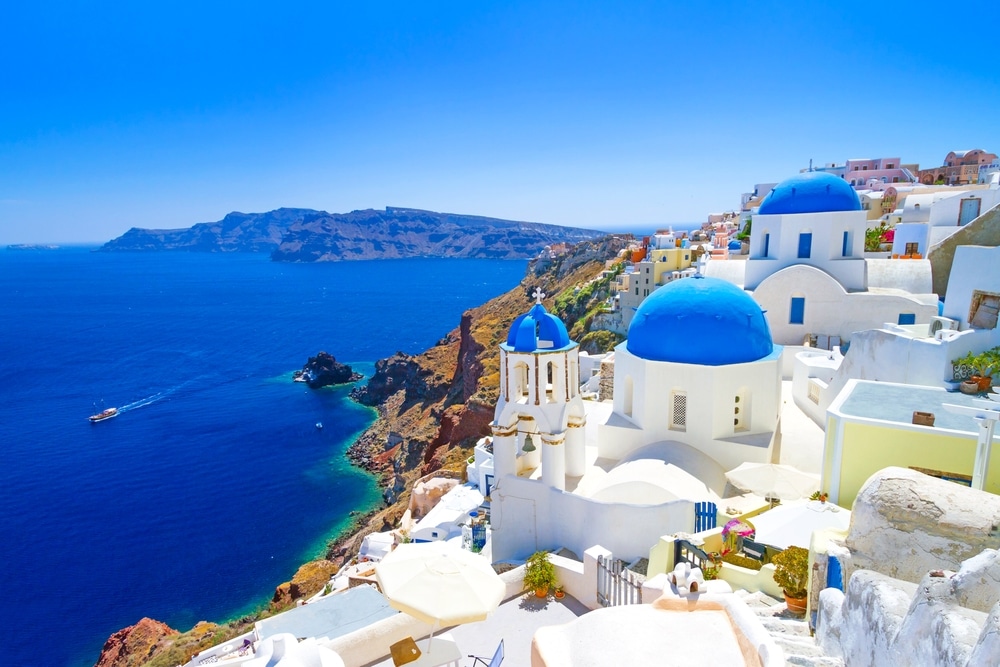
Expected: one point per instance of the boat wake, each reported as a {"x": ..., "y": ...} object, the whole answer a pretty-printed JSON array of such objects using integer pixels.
[{"x": 159, "y": 396}]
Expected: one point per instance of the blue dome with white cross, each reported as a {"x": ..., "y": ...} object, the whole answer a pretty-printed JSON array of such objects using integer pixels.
[{"x": 537, "y": 330}]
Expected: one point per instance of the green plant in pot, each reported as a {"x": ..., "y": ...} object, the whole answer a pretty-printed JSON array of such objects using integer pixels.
[
  {"x": 791, "y": 572},
  {"x": 982, "y": 366},
  {"x": 539, "y": 573}
]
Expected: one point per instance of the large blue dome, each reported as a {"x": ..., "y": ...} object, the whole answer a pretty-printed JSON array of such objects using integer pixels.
[
  {"x": 537, "y": 330},
  {"x": 810, "y": 192},
  {"x": 705, "y": 321}
]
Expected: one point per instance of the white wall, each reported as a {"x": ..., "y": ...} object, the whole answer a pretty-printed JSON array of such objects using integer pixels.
[
  {"x": 945, "y": 211},
  {"x": 710, "y": 390},
  {"x": 829, "y": 309},
  {"x": 527, "y": 516},
  {"x": 827, "y": 231}
]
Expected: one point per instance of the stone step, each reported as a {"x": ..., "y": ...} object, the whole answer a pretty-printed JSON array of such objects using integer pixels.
[
  {"x": 782, "y": 626},
  {"x": 789, "y": 631},
  {"x": 798, "y": 646},
  {"x": 813, "y": 661}
]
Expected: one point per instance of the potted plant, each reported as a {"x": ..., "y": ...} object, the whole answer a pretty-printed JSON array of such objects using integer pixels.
[
  {"x": 791, "y": 572},
  {"x": 981, "y": 366},
  {"x": 539, "y": 573}
]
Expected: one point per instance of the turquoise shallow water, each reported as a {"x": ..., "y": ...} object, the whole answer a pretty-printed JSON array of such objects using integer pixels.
[{"x": 214, "y": 485}]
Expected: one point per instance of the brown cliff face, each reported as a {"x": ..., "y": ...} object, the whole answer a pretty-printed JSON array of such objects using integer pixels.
[
  {"x": 308, "y": 580},
  {"x": 434, "y": 406},
  {"x": 134, "y": 645}
]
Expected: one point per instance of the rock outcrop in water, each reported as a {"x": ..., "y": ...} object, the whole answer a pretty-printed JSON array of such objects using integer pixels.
[
  {"x": 305, "y": 235},
  {"x": 324, "y": 370}
]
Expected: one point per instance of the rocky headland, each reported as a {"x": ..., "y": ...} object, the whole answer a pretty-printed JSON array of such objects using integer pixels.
[
  {"x": 324, "y": 370},
  {"x": 306, "y": 235},
  {"x": 432, "y": 408}
]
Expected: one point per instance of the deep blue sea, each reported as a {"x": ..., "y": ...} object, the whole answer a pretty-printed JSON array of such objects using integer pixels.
[{"x": 213, "y": 485}]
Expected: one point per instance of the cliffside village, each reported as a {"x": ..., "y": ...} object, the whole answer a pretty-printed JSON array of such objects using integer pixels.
[{"x": 787, "y": 460}]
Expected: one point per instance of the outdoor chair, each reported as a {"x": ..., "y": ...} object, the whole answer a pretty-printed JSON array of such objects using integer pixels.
[
  {"x": 754, "y": 550},
  {"x": 494, "y": 661}
]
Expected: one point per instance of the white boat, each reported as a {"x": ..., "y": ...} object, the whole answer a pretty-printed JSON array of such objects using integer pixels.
[{"x": 103, "y": 414}]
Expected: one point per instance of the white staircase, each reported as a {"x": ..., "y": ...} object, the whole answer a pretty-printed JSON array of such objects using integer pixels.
[{"x": 790, "y": 631}]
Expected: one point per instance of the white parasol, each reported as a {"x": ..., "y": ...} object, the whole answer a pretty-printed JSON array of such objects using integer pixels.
[{"x": 439, "y": 584}]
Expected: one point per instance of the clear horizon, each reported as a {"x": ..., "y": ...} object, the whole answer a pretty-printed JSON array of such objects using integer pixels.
[{"x": 585, "y": 115}]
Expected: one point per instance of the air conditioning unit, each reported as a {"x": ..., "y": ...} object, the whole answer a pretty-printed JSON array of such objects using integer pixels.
[
  {"x": 942, "y": 323},
  {"x": 945, "y": 334}
]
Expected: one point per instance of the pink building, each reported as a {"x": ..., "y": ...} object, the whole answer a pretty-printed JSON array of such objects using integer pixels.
[
  {"x": 959, "y": 168},
  {"x": 866, "y": 174}
]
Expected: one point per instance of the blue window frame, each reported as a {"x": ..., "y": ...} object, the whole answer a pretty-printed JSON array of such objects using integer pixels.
[
  {"x": 907, "y": 318},
  {"x": 805, "y": 245},
  {"x": 798, "y": 314},
  {"x": 846, "y": 250},
  {"x": 767, "y": 244}
]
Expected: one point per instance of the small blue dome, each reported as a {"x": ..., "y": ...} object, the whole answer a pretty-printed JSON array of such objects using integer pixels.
[
  {"x": 537, "y": 330},
  {"x": 704, "y": 321},
  {"x": 810, "y": 192},
  {"x": 734, "y": 245}
]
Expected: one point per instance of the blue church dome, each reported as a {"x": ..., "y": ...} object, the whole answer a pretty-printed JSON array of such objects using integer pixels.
[
  {"x": 810, "y": 192},
  {"x": 537, "y": 330},
  {"x": 704, "y": 321}
]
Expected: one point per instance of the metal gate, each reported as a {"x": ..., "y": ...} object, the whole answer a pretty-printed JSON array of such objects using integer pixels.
[{"x": 616, "y": 585}]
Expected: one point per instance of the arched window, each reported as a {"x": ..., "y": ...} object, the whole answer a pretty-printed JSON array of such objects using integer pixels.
[
  {"x": 553, "y": 386},
  {"x": 520, "y": 379}
]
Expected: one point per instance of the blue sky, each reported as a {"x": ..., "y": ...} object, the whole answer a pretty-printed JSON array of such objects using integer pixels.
[{"x": 597, "y": 114}]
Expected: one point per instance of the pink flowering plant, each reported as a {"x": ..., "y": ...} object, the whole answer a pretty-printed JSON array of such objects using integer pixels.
[{"x": 735, "y": 530}]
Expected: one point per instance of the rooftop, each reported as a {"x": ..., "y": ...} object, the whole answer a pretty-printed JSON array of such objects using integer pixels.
[
  {"x": 330, "y": 617},
  {"x": 897, "y": 402}
]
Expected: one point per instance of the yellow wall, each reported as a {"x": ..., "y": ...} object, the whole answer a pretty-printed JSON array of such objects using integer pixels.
[
  {"x": 668, "y": 259},
  {"x": 867, "y": 448}
]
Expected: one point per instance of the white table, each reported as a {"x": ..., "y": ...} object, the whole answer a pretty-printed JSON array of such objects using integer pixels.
[{"x": 443, "y": 651}]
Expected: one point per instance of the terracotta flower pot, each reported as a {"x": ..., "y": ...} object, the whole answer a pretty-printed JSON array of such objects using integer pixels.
[
  {"x": 984, "y": 382},
  {"x": 559, "y": 594},
  {"x": 541, "y": 592},
  {"x": 796, "y": 605}
]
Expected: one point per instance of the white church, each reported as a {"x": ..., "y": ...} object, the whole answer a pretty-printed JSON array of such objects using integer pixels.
[
  {"x": 697, "y": 392},
  {"x": 808, "y": 271}
]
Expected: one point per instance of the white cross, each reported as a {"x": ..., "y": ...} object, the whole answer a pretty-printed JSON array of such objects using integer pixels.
[{"x": 539, "y": 295}]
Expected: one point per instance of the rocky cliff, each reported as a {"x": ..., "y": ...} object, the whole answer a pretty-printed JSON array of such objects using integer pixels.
[
  {"x": 237, "y": 232},
  {"x": 432, "y": 408},
  {"x": 402, "y": 232},
  {"x": 305, "y": 235}
]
